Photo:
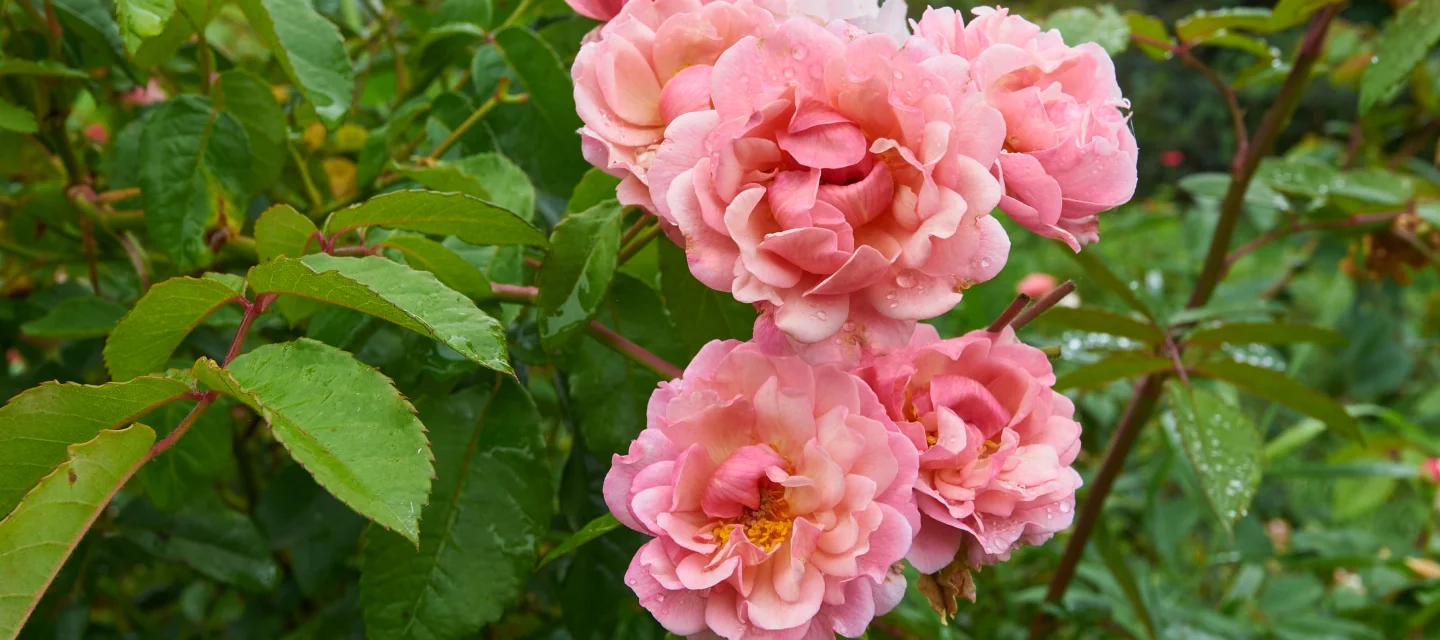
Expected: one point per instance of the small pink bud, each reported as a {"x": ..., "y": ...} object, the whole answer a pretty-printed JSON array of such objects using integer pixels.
[
  {"x": 1036, "y": 284},
  {"x": 97, "y": 133},
  {"x": 1430, "y": 470}
]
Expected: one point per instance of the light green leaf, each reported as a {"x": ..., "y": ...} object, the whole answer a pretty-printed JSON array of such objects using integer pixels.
[
  {"x": 142, "y": 19},
  {"x": 1289, "y": 13},
  {"x": 310, "y": 50},
  {"x": 283, "y": 231},
  {"x": 244, "y": 95},
  {"x": 1203, "y": 22},
  {"x": 37, "y": 425},
  {"x": 595, "y": 187},
  {"x": 491, "y": 504},
  {"x": 1280, "y": 388},
  {"x": 1102, "y": 25},
  {"x": 169, "y": 311},
  {"x": 577, "y": 271},
  {"x": 190, "y": 16},
  {"x": 1239, "y": 42},
  {"x": 1223, "y": 445},
  {"x": 1300, "y": 176},
  {"x": 412, "y": 299},
  {"x": 701, "y": 314},
  {"x": 77, "y": 319},
  {"x": 1116, "y": 367},
  {"x": 594, "y": 529},
  {"x": 17, "y": 118},
  {"x": 1102, "y": 321},
  {"x": 342, "y": 420},
  {"x": 1292, "y": 438},
  {"x": 1150, "y": 27},
  {"x": 488, "y": 176},
  {"x": 1371, "y": 189},
  {"x": 1401, "y": 45},
  {"x": 443, "y": 214},
  {"x": 1105, "y": 278},
  {"x": 194, "y": 167},
  {"x": 39, "y": 68},
  {"x": 449, "y": 268},
  {"x": 41, "y": 533},
  {"x": 1264, "y": 333},
  {"x": 545, "y": 78}
]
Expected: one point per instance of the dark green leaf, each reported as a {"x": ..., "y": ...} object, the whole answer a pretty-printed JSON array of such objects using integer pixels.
[
  {"x": 93, "y": 21},
  {"x": 1116, "y": 367},
  {"x": 194, "y": 168},
  {"x": 37, "y": 425},
  {"x": 390, "y": 291},
  {"x": 595, "y": 187},
  {"x": 449, "y": 268},
  {"x": 39, "y": 535},
  {"x": 169, "y": 311},
  {"x": 17, "y": 118},
  {"x": 443, "y": 214},
  {"x": 283, "y": 231},
  {"x": 190, "y": 467},
  {"x": 491, "y": 504},
  {"x": 1102, "y": 321},
  {"x": 596, "y": 528},
  {"x": 1120, "y": 569},
  {"x": 1105, "y": 278},
  {"x": 340, "y": 419},
  {"x": 1264, "y": 333},
  {"x": 77, "y": 319},
  {"x": 577, "y": 271},
  {"x": 1282, "y": 389},
  {"x": 310, "y": 50},
  {"x": 545, "y": 78},
  {"x": 247, "y": 97},
  {"x": 319, "y": 532},
  {"x": 1403, "y": 43},
  {"x": 701, "y": 314},
  {"x": 1223, "y": 446},
  {"x": 39, "y": 68},
  {"x": 215, "y": 540},
  {"x": 1101, "y": 24},
  {"x": 488, "y": 176}
]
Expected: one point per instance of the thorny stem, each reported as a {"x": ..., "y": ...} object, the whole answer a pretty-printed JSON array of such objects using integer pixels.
[
  {"x": 1009, "y": 314},
  {"x": 1043, "y": 304},
  {"x": 184, "y": 426},
  {"x": 1147, "y": 390},
  {"x": 1358, "y": 220}
]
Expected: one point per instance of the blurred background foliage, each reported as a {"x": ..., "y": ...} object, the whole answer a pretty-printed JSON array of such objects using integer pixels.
[{"x": 234, "y": 540}]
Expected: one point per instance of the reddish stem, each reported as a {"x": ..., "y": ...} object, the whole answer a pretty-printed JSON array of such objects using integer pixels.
[
  {"x": 184, "y": 426},
  {"x": 252, "y": 311},
  {"x": 1008, "y": 315},
  {"x": 1043, "y": 304},
  {"x": 635, "y": 352},
  {"x": 1358, "y": 220}
]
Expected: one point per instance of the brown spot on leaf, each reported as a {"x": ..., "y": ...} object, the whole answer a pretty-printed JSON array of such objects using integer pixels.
[{"x": 73, "y": 477}]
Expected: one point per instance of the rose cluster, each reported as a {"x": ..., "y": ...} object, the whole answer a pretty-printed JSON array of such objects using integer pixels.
[{"x": 839, "y": 170}]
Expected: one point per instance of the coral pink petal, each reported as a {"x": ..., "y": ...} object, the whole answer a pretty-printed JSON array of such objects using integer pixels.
[
  {"x": 865, "y": 267},
  {"x": 935, "y": 545},
  {"x": 687, "y": 92},
  {"x": 735, "y": 485}
]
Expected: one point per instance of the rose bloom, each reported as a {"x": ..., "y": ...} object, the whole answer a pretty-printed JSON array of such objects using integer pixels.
[
  {"x": 779, "y": 495},
  {"x": 1036, "y": 284},
  {"x": 867, "y": 14},
  {"x": 151, "y": 93},
  {"x": 1069, "y": 153},
  {"x": 840, "y": 182},
  {"x": 995, "y": 441}
]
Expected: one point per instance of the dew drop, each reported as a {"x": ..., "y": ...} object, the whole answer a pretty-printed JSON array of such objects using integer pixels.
[
  {"x": 905, "y": 281},
  {"x": 631, "y": 582},
  {"x": 984, "y": 263},
  {"x": 789, "y": 73},
  {"x": 890, "y": 296},
  {"x": 894, "y": 304},
  {"x": 819, "y": 315},
  {"x": 848, "y": 326},
  {"x": 899, "y": 75},
  {"x": 1064, "y": 507},
  {"x": 798, "y": 52},
  {"x": 659, "y": 597}
]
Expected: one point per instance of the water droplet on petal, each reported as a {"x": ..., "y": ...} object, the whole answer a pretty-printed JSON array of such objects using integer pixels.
[
  {"x": 905, "y": 281},
  {"x": 820, "y": 315},
  {"x": 848, "y": 326},
  {"x": 798, "y": 52}
]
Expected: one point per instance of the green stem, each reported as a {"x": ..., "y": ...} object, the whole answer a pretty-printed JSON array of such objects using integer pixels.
[
  {"x": 465, "y": 126},
  {"x": 642, "y": 239},
  {"x": 317, "y": 203},
  {"x": 206, "y": 64}
]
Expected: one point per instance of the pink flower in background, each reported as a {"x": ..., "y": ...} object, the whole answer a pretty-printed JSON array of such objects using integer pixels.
[
  {"x": 1069, "y": 153},
  {"x": 1172, "y": 158},
  {"x": 97, "y": 133},
  {"x": 148, "y": 94},
  {"x": 995, "y": 441},
  {"x": 601, "y": 10},
  {"x": 779, "y": 495},
  {"x": 1036, "y": 284},
  {"x": 840, "y": 182}
]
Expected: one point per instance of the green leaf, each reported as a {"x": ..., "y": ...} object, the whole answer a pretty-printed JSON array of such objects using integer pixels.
[
  {"x": 310, "y": 50},
  {"x": 596, "y": 528},
  {"x": 1116, "y": 367},
  {"x": 577, "y": 271},
  {"x": 443, "y": 214},
  {"x": 39, "y": 535},
  {"x": 1372, "y": 188},
  {"x": 1151, "y": 27},
  {"x": 37, "y": 425},
  {"x": 1203, "y": 22},
  {"x": 189, "y": 468},
  {"x": 595, "y": 187},
  {"x": 283, "y": 231},
  {"x": 449, "y": 268},
  {"x": 92, "y": 21},
  {"x": 1280, "y": 388},
  {"x": 487, "y": 176},
  {"x": 1224, "y": 447},
  {"x": 169, "y": 311},
  {"x": 1300, "y": 176},
  {"x": 1102, "y": 25},
  {"x": 390, "y": 291},
  {"x": 701, "y": 314},
  {"x": 491, "y": 504},
  {"x": 1106, "y": 279},
  {"x": 1102, "y": 321},
  {"x": 194, "y": 167},
  {"x": 39, "y": 68},
  {"x": 545, "y": 78},
  {"x": 190, "y": 16},
  {"x": 1120, "y": 569},
  {"x": 244, "y": 95},
  {"x": 215, "y": 540},
  {"x": 318, "y": 532},
  {"x": 1401, "y": 45},
  {"x": 342, "y": 420},
  {"x": 17, "y": 118},
  {"x": 1293, "y": 438},
  {"x": 77, "y": 319},
  {"x": 1289, "y": 13},
  {"x": 1264, "y": 333},
  {"x": 1239, "y": 42},
  {"x": 142, "y": 19}
]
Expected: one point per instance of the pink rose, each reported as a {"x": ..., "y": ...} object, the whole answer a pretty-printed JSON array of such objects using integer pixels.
[
  {"x": 151, "y": 93},
  {"x": 840, "y": 182},
  {"x": 779, "y": 495},
  {"x": 97, "y": 133},
  {"x": 996, "y": 443},
  {"x": 601, "y": 10},
  {"x": 1036, "y": 285},
  {"x": 1069, "y": 153}
]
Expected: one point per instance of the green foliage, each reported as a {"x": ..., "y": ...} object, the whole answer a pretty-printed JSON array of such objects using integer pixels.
[
  {"x": 465, "y": 217},
  {"x": 77, "y": 319},
  {"x": 594, "y": 529},
  {"x": 577, "y": 272},
  {"x": 145, "y": 338},
  {"x": 310, "y": 50},
  {"x": 1404, "y": 42},
  {"x": 1102, "y": 25},
  {"x": 1223, "y": 447}
]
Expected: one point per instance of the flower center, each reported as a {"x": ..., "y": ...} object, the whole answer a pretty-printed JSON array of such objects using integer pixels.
[{"x": 765, "y": 527}]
